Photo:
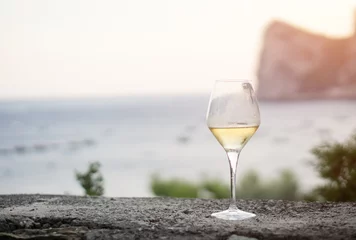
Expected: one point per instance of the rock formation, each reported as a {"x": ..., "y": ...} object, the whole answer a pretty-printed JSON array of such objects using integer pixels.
[{"x": 298, "y": 65}]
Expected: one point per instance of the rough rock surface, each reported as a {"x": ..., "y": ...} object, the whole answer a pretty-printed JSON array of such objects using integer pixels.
[
  {"x": 70, "y": 217},
  {"x": 298, "y": 65}
]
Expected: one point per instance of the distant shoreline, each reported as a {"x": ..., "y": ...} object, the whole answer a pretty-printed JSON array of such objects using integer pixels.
[{"x": 204, "y": 96}]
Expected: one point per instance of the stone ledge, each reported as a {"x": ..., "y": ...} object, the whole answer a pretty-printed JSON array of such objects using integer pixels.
[{"x": 71, "y": 217}]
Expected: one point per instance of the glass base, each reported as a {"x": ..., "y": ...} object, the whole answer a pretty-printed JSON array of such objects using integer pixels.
[{"x": 233, "y": 214}]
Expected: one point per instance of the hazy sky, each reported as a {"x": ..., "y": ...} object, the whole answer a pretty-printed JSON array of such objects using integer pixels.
[{"x": 85, "y": 48}]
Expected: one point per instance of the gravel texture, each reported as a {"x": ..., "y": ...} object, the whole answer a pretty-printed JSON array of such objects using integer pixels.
[{"x": 71, "y": 217}]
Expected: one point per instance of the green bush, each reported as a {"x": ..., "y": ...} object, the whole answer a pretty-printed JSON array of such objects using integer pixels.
[
  {"x": 173, "y": 187},
  {"x": 285, "y": 186},
  {"x": 92, "y": 180},
  {"x": 214, "y": 188},
  {"x": 250, "y": 186},
  {"x": 336, "y": 164}
]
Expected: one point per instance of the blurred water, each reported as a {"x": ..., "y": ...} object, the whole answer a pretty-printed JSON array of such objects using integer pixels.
[{"x": 42, "y": 143}]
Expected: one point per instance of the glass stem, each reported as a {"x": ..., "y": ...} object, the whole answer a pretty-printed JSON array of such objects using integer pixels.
[{"x": 233, "y": 157}]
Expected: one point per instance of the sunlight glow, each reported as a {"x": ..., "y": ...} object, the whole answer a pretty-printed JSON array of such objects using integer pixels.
[{"x": 91, "y": 48}]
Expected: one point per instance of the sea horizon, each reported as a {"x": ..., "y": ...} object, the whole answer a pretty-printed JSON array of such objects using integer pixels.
[{"x": 43, "y": 142}]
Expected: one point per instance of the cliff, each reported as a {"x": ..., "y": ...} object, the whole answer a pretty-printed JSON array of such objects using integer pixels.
[
  {"x": 70, "y": 217},
  {"x": 297, "y": 65}
]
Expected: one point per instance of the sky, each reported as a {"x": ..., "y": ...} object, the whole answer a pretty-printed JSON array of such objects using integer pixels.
[{"x": 72, "y": 48}]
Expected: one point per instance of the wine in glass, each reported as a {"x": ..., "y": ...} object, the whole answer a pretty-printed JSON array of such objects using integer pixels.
[{"x": 233, "y": 117}]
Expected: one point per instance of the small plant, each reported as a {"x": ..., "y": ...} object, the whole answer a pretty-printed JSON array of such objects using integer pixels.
[{"x": 92, "y": 180}]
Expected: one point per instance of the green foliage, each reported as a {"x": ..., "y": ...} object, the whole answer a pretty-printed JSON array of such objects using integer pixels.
[
  {"x": 284, "y": 187},
  {"x": 251, "y": 186},
  {"x": 214, "y": 188},
  {"x": 336, "y": 163},
  {"x": 91, "y": 180},
  {"x": 173, "y": 187}
]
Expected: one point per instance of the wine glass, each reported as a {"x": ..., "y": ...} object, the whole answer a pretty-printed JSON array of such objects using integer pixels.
[{"x": 233, "y": 117}]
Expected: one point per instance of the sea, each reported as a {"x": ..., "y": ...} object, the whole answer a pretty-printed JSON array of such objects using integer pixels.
[{"x": 44, "y": 142}]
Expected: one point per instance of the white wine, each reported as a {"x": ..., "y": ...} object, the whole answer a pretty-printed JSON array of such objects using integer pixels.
[{"x": 234, "y": 138}]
